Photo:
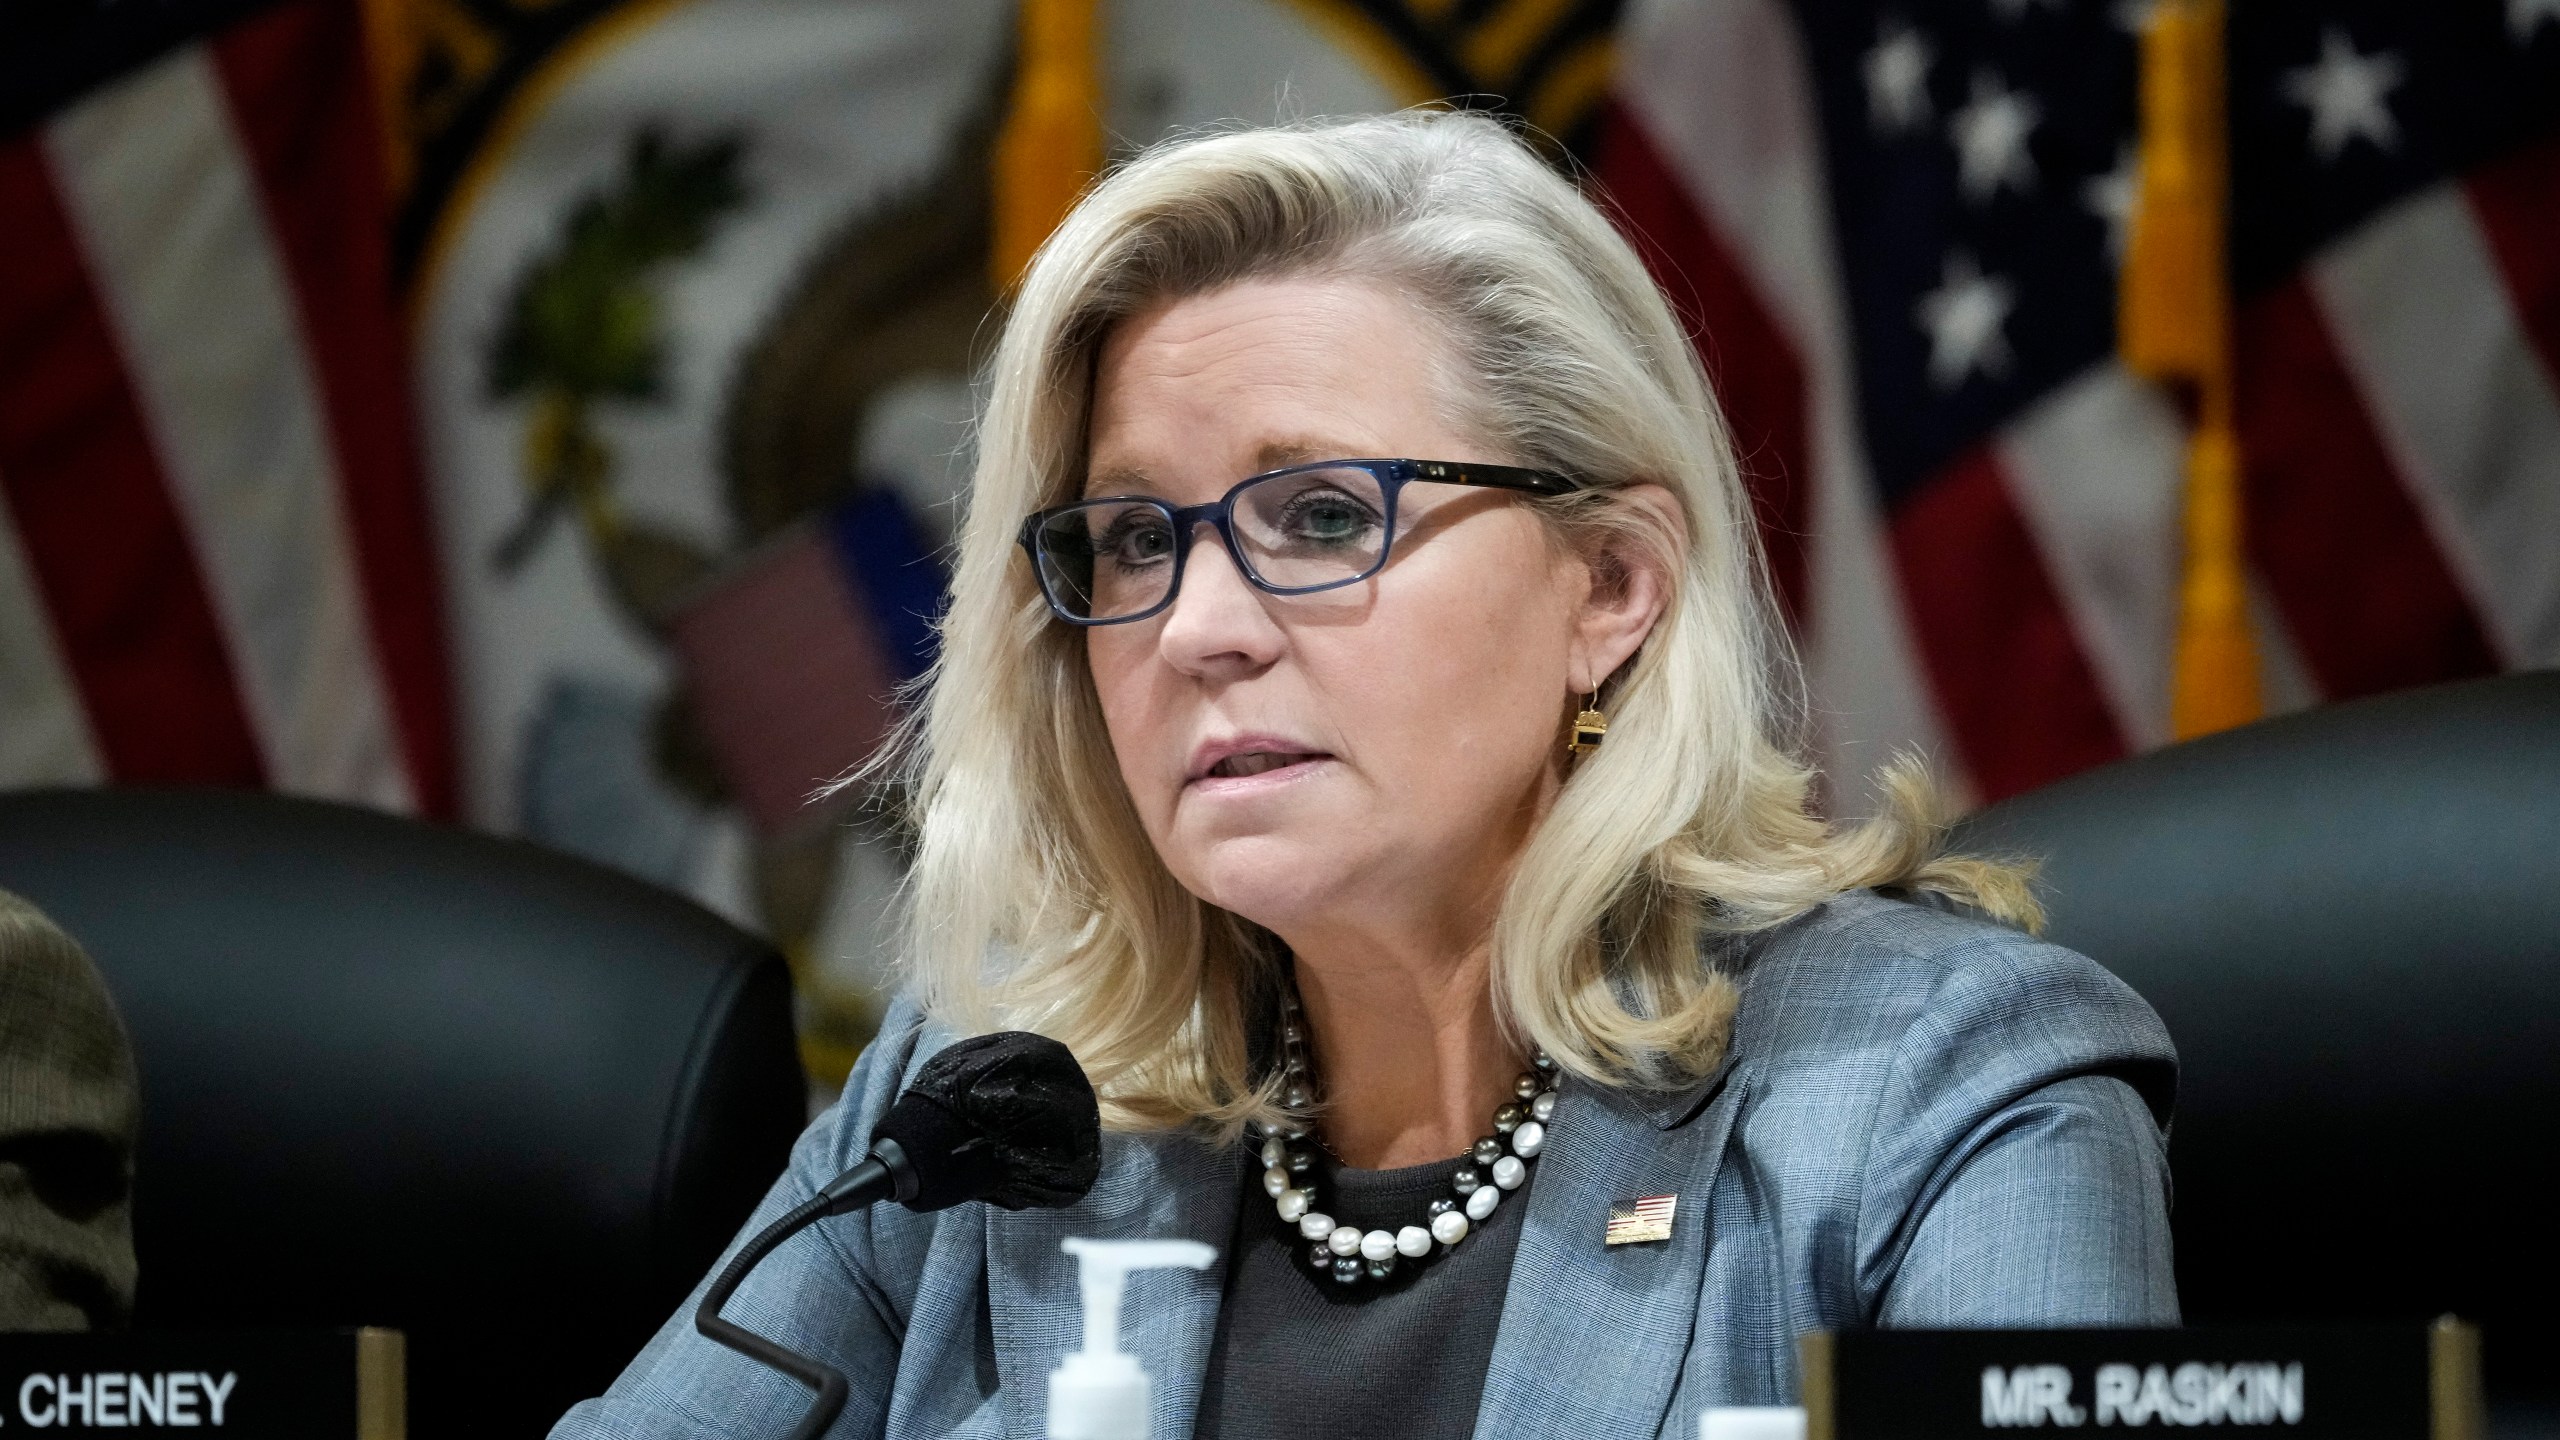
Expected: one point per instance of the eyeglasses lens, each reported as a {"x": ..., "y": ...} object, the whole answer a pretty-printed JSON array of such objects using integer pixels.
[
  {"x": 1107, "y": 559},
  {"x": 1312, "y": 527}
]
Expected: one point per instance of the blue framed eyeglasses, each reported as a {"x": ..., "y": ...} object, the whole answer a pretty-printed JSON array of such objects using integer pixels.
[{"x": 1292, "y": 531}]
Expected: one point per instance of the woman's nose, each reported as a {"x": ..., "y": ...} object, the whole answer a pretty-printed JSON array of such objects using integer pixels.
[{"x": 1217, "y": 621}]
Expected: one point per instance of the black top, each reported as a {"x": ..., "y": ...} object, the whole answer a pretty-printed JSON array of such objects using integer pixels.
[{"x": 1404, "y": 1359}]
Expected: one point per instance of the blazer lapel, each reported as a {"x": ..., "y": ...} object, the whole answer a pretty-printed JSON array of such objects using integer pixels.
[
  {"x": 1592, "y": 1334},
  {"x": 1152, "y": 1187}
]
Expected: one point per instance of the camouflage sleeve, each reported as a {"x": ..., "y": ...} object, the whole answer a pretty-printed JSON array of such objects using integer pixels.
[{"x": 67, "y": 1117}]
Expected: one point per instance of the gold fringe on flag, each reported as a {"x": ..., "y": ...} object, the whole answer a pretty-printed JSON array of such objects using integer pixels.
[
  {"x": 2174, "y": 326},
  {"x": 1052, "y": 140}
]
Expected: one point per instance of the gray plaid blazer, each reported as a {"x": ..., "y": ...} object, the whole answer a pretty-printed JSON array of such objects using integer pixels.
[{"x": 1924, "y": 1120}]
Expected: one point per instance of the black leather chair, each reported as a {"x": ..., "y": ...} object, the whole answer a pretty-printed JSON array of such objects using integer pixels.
[
  {"x": 394, "y": 1074},
  {"x": 2350, "y": 921}
]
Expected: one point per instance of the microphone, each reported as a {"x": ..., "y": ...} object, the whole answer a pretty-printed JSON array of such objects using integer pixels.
[{"x": 1007, "y": 1118}]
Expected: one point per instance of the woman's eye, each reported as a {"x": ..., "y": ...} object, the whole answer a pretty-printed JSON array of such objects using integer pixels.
[
  {"x": 1136, "y": 542},
  {"x": 1328, "y": 518}
]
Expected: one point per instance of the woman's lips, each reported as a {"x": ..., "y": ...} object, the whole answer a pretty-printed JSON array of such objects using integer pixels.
[
  {"x": 1250, "y": 762},
  {"x": 1251, "y": 770},
  {"x": 1256, "y": 762}
]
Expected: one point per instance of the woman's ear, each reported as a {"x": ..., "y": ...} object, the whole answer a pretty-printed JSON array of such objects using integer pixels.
[{"x": 1632, "y": 574}]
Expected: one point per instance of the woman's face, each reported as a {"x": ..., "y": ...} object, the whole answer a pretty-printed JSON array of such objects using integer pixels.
[{"x": 1359, "y": 764}]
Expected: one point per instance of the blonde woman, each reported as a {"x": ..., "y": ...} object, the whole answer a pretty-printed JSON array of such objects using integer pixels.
[{"x": 1362, "y": 736}]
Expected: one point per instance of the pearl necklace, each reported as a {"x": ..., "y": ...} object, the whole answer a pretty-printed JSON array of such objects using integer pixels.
[{"x": 1346, "y": 1252}]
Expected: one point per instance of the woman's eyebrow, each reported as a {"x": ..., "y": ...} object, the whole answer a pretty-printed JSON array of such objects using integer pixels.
[
  {"x": 1269, "y": 455},
  {"x": 1118, "y": 480},
  {"x": 1276, "y": 454}
]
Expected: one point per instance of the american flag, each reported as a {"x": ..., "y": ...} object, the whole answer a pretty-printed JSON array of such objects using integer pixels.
[
  {"x": 793, "y": 658},
  {"x": 1897, "y": 227},
  {"x": 1642, "y": 1220},
  {"x": 217, "y": 559},
  {"x": 216, "y": 563}
]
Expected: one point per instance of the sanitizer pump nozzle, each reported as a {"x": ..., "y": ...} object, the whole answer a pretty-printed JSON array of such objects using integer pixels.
[{"x": 1100, "y": 1392}]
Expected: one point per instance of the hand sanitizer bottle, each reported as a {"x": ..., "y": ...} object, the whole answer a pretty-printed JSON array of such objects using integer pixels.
[
  {"x": 1751, "y": 1422},
  {"x": 1101, "y": 1392}
]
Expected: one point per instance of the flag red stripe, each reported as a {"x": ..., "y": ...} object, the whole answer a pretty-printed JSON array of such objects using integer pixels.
[
  {"x": 298, "y": 85},
  {"x": 103, "y": 539},
  {"x": 2518, "y": 202},
  {"x": 2369, "y": 601},
  {"x": 2018, "y": 695},
  {"x": 1758, "y": 373},
  {"x": 788, "y": 679}
]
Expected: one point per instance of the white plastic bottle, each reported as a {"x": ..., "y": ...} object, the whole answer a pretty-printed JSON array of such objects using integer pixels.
[
  {"x": 1751, "y": 1422},
  {"x": 1101, "y": 1392}
]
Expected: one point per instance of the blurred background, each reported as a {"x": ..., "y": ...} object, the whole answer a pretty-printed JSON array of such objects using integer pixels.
[{"x": 547, "y": 416}]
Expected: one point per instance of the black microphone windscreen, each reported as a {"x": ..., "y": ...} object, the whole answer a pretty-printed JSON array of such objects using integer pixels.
[{"x": 1007, "y": 1118}]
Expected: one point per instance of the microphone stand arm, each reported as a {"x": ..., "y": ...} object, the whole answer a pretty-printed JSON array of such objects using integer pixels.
[{"x": 885, "y": 1175}]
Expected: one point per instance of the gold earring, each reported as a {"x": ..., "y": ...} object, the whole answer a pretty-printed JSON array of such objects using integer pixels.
[{"x": 1588, "y": 727}]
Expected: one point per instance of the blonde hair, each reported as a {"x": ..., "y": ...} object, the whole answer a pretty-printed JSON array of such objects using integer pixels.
[{"x": 1036, "y": 900}]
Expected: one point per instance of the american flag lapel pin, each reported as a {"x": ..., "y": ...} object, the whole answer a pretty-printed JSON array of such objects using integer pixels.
[{"x": 1645, "y": 1219}]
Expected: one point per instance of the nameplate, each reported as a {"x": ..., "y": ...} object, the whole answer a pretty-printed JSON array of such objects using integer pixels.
[
  {"x": 2382, "y": 1382},
  {"x": 207, "y": 1385}
]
